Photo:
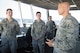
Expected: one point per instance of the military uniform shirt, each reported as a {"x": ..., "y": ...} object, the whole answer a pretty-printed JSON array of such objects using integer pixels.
[
  {"x": 38, "y": 29},
  {"x": 9, "y": 29},
  {"x": 67, "y": 33},
  {"x": 50, "y": 25}
]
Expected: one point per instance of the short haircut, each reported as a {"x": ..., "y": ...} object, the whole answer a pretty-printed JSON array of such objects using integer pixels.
[
  {"x": 38, "y": 12},
  {"x": 50, "y": 16},
  {"x": 65, "y": 3},
  {"x": 9, "y": 9}
]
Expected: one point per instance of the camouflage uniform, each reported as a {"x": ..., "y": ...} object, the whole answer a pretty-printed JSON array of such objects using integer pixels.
[
  {"x": 67, "y": 35},
  {"x": 50, "y": 28},
  {"x": 38, "y": 31},
  {"x": 50, "y": 34},
  {"x": 9, "y": 30}
]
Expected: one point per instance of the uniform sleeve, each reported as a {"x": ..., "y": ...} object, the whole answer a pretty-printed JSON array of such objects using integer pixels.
[
  {"x": 71, "y": 32},
  {"x": 69, "y": 36},
  {"x": 17, "y": 29},
  {"x": 67, "y": 31},
  {"x": 0, "y": 28},
  {"x": 54, "y": 25},
  {"x": 32, "y": 31},
  {"x": 43, "y": 31},
  {"x": 46, "y": 26}
]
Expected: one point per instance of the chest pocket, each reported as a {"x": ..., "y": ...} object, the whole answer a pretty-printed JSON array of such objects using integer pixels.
[
  {"x": 38, "y": 27},
  {"x": 63, "y": 25},
  {"x": 8, "y": 26}
]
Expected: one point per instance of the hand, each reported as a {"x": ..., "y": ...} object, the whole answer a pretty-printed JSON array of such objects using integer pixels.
[
  {"x": 36, "y": 38},
  {"x": 50, "y": 43}
]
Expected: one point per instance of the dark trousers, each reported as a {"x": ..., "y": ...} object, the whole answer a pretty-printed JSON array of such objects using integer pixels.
[
  {"x": 48, "y": 49},
  {"x": 38, "y": 46},
  {"x": 49, "y": 35}
]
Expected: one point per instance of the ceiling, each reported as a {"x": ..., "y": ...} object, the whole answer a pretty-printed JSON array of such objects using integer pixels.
[{"x": 52, "y": 4}]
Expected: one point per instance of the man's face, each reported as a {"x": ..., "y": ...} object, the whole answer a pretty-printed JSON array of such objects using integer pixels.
[
  {"x": 9, "y": 13},
  {"x": 60, "y": 9},
  {"x": 38, "y": 15},
  {"x": 50, "y": 18}
]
